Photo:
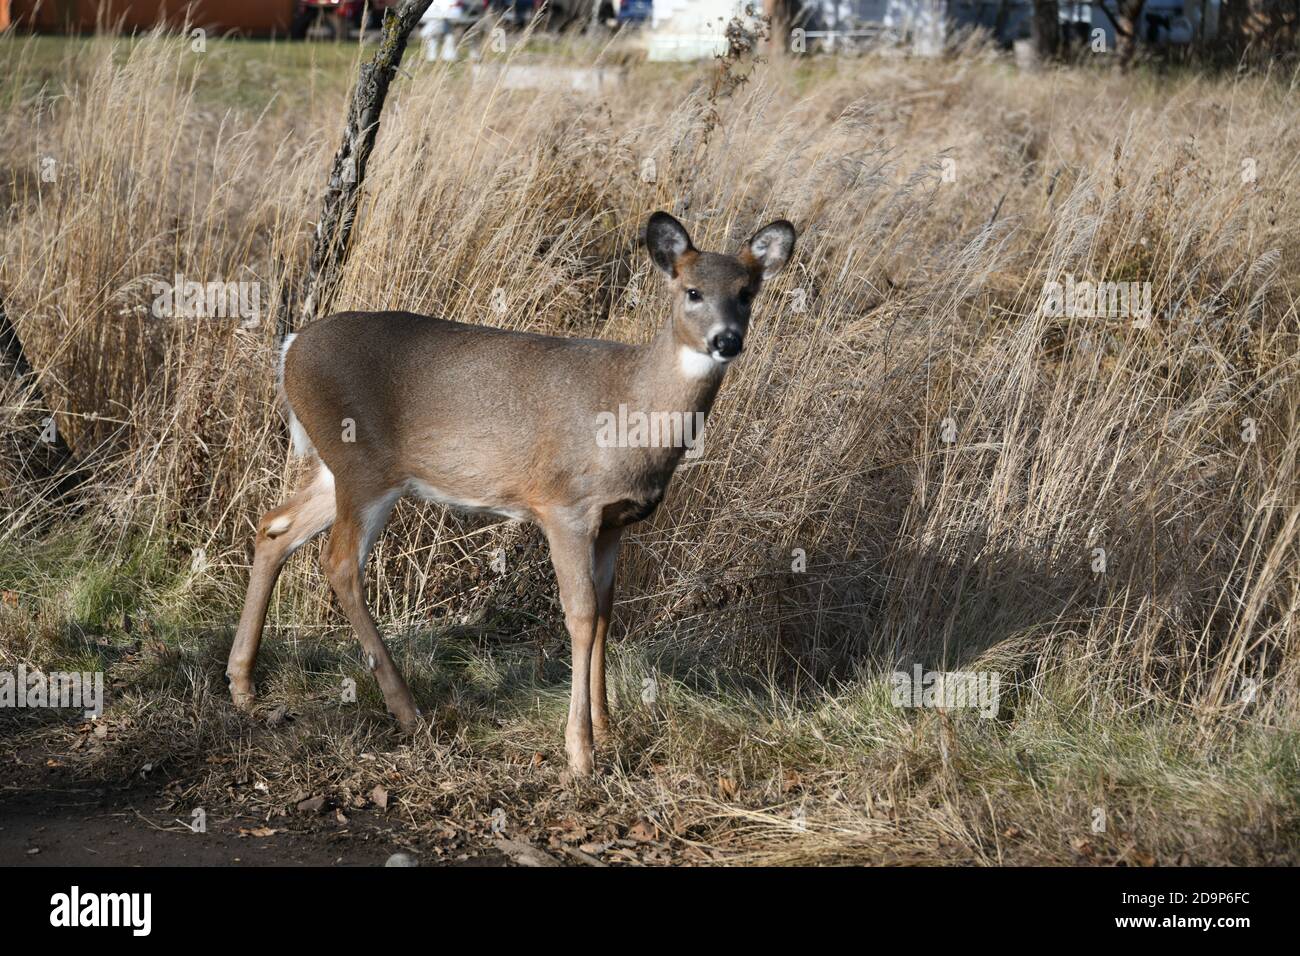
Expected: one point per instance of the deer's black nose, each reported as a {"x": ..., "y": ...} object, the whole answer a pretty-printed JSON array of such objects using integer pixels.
[{"x": 726, "y": 344}]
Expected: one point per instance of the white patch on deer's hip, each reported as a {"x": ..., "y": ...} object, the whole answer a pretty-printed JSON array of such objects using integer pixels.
[
  {"x": 695, "y": 364},
  {"x": 299, "y": 443},
  {"x": 284, "y": 350}
]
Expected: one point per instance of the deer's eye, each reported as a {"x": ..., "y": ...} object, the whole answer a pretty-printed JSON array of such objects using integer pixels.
[
  {"x": 694, "y": 295},
  {"x": 744, "y": 297}
]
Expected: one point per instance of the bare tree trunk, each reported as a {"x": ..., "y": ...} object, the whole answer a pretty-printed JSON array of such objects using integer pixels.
[
  {"x": 1045, "y": 30},
  {"x": 339, "y": 205}
]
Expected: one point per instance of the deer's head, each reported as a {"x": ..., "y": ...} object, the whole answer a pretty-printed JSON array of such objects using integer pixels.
[{"x": 713, "y": 292}]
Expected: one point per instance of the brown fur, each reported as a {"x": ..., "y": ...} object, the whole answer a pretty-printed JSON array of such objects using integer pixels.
[{"x": 503, "y": 421}]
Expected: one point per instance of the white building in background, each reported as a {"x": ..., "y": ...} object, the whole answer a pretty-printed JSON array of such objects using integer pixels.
[
  {"x": 691, "y": 29},
  {"x": 695, "y": 29}
]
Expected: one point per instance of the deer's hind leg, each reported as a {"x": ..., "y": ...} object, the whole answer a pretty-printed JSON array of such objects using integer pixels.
[
  {"x": 280, "y": 533},
  {"x": 361, "y": 517}
]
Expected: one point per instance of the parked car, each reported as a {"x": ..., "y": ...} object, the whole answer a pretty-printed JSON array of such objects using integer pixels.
[
  {"x": 557, "y": 14},
  {"x": 519, "y": 12},
  {"x": 634, "y": 11},
  {"x": 335, "y": 19}
]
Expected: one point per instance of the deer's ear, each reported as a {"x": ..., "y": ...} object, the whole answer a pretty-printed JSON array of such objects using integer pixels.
[
  {"x": 667, "y": 240},
  {"x": 770, "y": 248}
]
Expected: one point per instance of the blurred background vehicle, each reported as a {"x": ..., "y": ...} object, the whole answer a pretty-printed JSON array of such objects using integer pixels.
[
  {"x": 445, "y": 24},
  {"x": 563, "y": 14},
  {"x": 629, "y": 12},
  {"x": 336, "y": 19}
]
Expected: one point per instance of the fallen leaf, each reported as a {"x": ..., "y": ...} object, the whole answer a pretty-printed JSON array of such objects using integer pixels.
[
  {"x": 571, "y": 830},
  {"x": 1139, "y": 857},
  {"x": 312, "y": 805},
  {"x": 379, "y": 796},
  {"x": 727, "y": 787},
  {"x": 258, "y": 832},
  {"x": 643, "y": 831}
]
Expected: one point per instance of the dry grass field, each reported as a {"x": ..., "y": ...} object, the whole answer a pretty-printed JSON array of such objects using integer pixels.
[{"x": 916, "y": 462}]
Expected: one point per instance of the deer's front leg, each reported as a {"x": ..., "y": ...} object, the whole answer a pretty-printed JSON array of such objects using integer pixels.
[
  {"x": 606, "y": 558},
  {"x": 572, "y": 555}
]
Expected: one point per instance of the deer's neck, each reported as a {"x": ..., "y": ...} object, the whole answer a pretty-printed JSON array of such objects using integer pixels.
[{"x": 673, "y": 377}]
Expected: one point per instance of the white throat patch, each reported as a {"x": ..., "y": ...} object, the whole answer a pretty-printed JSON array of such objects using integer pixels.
[{"x": 695, "y": 364}]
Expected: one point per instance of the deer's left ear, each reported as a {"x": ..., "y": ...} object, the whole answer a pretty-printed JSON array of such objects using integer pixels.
[{"x": 770, "y": 248}]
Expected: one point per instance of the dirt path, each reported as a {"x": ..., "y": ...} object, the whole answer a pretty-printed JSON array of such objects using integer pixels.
[
  {"x": 91, "y": 827},
  {"x": 74, "y": 825}
]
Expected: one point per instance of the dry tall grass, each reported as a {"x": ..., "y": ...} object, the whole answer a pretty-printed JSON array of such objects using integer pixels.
[{"x": 913, "y": 300}]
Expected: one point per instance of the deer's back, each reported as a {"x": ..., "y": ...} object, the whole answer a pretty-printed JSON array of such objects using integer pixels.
[{"x": 397, "y": 397}]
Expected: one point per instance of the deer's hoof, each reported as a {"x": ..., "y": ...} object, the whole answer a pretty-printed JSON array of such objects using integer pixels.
[
  {"x": 408, "y": 719},
  {"x": 242, "y": 694},
  {"x": 581, "y": 761}
]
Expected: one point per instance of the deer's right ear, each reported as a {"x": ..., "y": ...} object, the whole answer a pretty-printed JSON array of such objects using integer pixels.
[{"x": 667, "y": 240}]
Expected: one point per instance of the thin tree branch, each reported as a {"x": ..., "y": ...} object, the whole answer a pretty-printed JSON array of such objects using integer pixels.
[{"x": 348, "y": 172}]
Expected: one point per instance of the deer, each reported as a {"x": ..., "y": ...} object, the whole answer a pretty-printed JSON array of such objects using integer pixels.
[{"x": 480, "y": 419}]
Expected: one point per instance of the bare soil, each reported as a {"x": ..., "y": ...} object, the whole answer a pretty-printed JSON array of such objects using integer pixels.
[{"x": 48, "y": 820}]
